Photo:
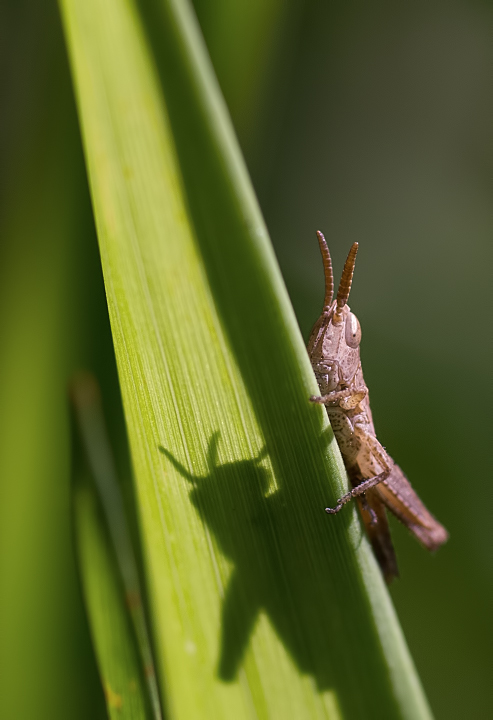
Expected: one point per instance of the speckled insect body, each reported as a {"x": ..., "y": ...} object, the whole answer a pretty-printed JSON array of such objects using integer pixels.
[{"x": 377, "y": 482}]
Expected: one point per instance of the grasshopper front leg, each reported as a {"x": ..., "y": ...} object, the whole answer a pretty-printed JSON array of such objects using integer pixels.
[{"x": 350, "y": 398}]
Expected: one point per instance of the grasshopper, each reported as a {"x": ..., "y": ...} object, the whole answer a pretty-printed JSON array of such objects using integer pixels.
[{"x": 377, "y": 482}]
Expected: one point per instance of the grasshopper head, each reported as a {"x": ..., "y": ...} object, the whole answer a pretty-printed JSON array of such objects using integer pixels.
[{"x": 334, "y": 342}]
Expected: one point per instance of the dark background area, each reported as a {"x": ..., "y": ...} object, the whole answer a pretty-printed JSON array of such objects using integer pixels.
[{"x": 368, "y": 122}]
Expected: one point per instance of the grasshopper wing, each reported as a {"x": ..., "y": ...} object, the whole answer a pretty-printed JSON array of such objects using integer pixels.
[{"x": 399, "y": 497}]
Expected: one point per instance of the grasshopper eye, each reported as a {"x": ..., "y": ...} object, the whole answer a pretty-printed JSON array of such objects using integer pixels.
[{"x": 353, "y": 331}]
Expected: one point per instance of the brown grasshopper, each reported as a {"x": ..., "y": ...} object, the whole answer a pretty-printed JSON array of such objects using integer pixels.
[{"x": 378, "y": 483}]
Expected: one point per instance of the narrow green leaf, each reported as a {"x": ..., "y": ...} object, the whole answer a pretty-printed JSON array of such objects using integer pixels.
[
  {"x": 261, "y": 605},
  {"x": 97, "y": 451},
  {"x": 107, "y": 566},
  {"x": 111, "y": 630}
]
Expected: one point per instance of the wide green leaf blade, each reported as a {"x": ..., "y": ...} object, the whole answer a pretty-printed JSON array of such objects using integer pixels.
[{"x": 261, "y": 605}]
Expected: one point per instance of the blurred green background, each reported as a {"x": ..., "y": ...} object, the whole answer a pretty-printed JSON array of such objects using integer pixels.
[{"x": 369, "y": 122}]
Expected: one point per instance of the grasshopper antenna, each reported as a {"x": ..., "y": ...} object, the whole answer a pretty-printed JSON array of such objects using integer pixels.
[
  {"x": 178, "y": 466},
  {"x": 329, "y": 275},
  {"x": 347, "y": 278}
]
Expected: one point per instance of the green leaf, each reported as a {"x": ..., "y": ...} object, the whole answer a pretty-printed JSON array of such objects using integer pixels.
[
  {"x": 112, "y": 634},
  {"x": 108, "y": 566},
  {"x": 261, "y": 605}
]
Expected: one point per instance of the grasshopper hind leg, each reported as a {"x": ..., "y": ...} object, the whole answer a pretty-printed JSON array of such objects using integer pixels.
[
  {"x": 378, "y": 532},
  {"x": 364, "y": 504}
]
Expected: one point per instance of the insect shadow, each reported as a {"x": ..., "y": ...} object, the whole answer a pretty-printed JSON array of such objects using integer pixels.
[{"x": 273, "y": 572}]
